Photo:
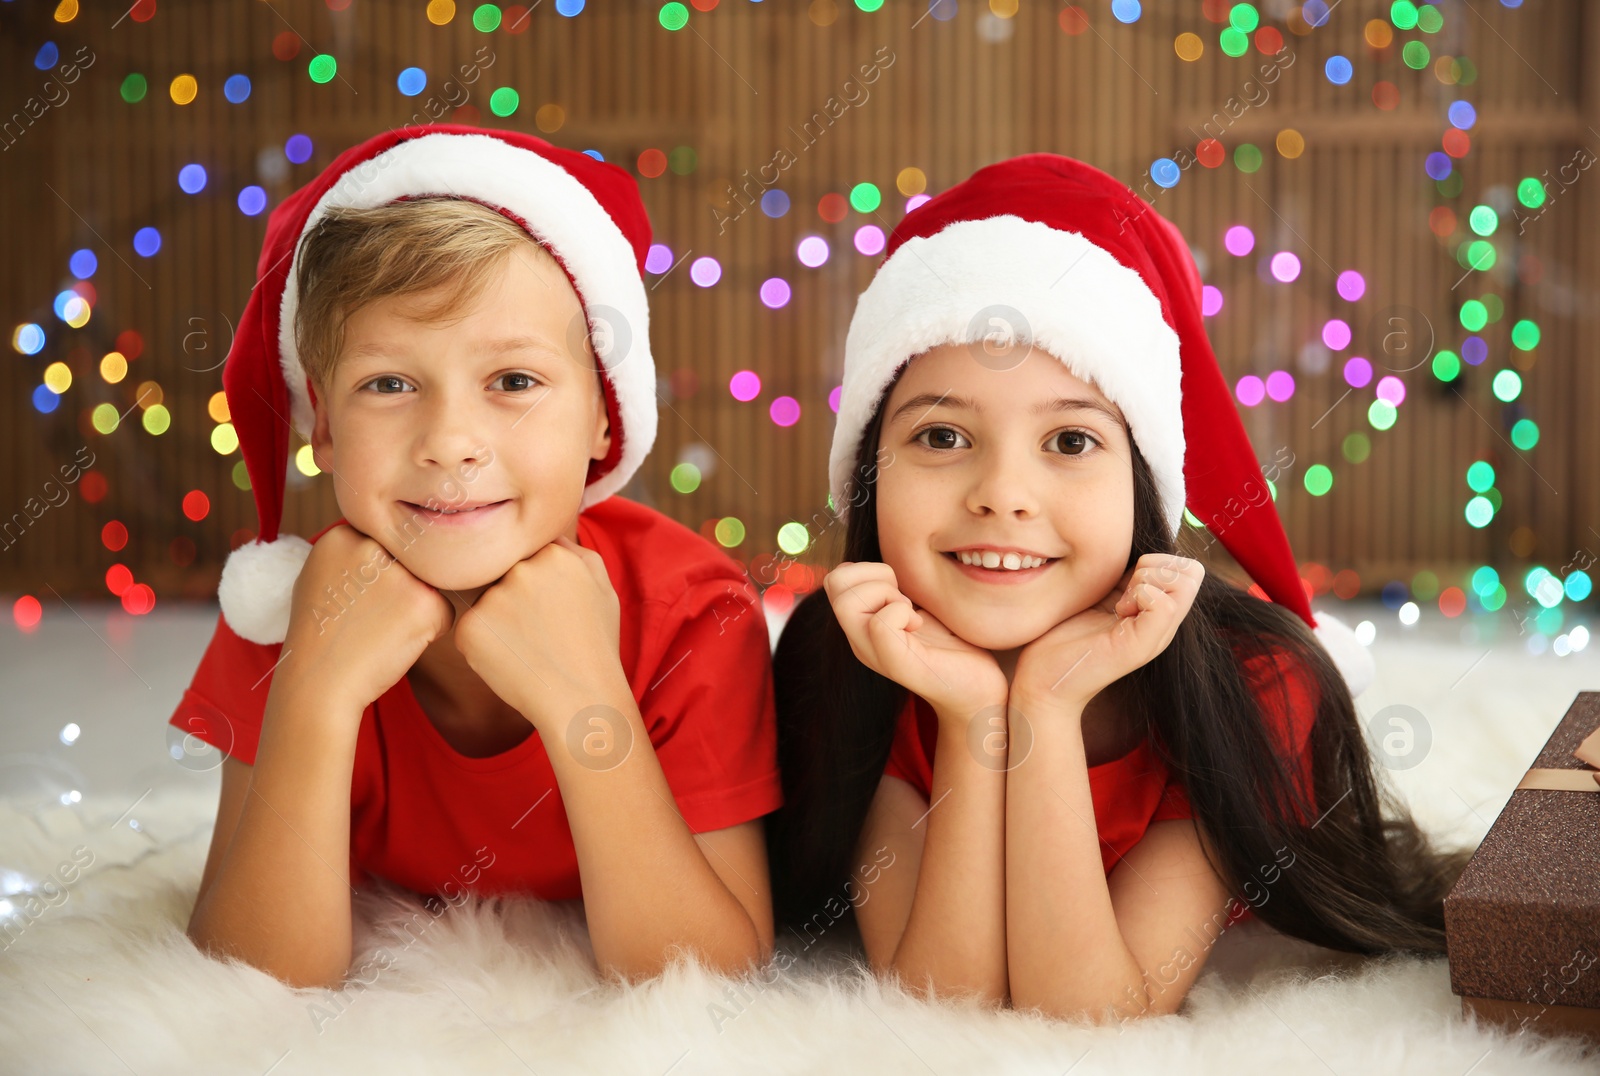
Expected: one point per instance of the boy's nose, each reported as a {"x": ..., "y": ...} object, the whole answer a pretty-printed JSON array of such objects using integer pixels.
[{"x": 449, "y": 437}]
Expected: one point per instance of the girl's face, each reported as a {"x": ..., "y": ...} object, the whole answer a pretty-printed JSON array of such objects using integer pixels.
[{"x": 1004, "y": 468}]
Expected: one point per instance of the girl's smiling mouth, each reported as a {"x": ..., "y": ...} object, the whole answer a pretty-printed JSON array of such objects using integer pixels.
[{"x": 991, "y": 565}]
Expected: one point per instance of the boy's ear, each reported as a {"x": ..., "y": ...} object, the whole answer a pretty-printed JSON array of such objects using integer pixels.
[{"x": 321, "y": 432}]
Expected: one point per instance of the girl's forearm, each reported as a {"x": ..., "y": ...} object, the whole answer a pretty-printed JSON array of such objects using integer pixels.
[
  {"x": 1066, "y": 955},
  {"x": 280, "y": 900},
  {"x": 647, "y": 886},
  {"x": 955, "y": 936}
]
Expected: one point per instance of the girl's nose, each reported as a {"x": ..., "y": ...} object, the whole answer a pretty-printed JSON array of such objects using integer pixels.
[{"x": 1002, "y": 485}]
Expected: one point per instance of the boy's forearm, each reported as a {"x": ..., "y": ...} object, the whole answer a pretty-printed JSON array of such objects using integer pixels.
[
  {"x": 647, "y": 886},
  {"x": 956, "y": 933},
  {"x": 281, "y": 897}
]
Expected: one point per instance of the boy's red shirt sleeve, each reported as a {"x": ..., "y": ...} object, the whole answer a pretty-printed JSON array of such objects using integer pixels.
[
  {"x": 704, "y": 686},
  {"x": 227, "y": 697}
]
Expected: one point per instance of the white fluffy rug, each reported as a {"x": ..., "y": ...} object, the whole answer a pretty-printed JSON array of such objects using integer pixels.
[{"x": 104, "y": 981}]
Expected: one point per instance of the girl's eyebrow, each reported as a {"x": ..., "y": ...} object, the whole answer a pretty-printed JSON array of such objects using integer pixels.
[
  {"x": 1063, "y": 403},
  {"x": 930, "y": 400}
]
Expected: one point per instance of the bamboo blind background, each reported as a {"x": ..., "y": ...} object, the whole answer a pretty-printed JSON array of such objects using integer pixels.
[{"x": 737, "y": 85}]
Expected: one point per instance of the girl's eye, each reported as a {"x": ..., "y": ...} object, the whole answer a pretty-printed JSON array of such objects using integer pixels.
[
  {"x": 940, "y": 438},
  {"x": 518, "y": 382},
  {"x": 1073, "y": 442},
  {"x": 385, "y": 381}
]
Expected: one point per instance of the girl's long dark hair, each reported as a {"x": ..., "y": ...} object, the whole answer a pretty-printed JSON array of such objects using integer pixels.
[{"x": 1363, "y": 877}]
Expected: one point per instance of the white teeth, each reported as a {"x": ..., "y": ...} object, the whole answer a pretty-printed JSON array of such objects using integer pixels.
[{"x": 988, "y": 558}]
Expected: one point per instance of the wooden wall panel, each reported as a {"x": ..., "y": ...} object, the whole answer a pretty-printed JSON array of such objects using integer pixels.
[{"x": 737, "y": 86}]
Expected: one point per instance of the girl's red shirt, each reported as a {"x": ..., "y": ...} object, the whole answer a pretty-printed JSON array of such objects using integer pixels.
[
  {"x": 695, "y": 647},
  {"x": 1131, "y": 792}
]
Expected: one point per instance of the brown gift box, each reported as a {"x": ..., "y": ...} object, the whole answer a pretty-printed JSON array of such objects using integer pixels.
[{"x": 1522, "y": 924}]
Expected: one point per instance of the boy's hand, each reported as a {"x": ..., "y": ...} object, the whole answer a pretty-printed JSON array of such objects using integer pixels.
[
  {"x": 359, "y": 642},
  {"x": 545, "y": 636},
  {"x": 910, "y": 646},
  {"x": 1079, "y": 657}
]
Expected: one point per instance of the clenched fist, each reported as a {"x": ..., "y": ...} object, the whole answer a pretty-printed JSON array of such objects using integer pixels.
[{"x": 358, "y": 619}]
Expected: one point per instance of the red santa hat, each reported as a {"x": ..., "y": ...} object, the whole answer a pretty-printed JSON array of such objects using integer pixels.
[
  {"x": 1058, "y": 254},
  {"x": 586, "y": 213}
]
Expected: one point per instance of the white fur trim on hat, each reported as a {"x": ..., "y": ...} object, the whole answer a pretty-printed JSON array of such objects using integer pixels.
[
  {"x": 1353, "y": 660},
  {"x": 563, "y": 215},
  {"x": 1052, "y": 288},
  {"x": 257, "y": 582}
]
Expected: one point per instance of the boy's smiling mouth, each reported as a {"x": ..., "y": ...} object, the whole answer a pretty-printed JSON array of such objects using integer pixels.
[{"x": 462, "y": 513}]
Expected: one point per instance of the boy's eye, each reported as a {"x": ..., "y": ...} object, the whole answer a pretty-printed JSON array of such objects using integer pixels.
[
  {"x": 518, "y": 382},
  {"x": 382, "y": 381},
  {"x": 1073, "y": 442},
  {"x": 940, "y": 437}
]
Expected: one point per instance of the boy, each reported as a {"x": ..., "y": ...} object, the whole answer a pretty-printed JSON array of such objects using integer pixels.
[{"x": 485, "y": 625}]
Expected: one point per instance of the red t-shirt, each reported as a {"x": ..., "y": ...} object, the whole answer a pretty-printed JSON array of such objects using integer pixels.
[
  {"x": 694, "y": 646},
  {"x": 1131, "y": 792}
]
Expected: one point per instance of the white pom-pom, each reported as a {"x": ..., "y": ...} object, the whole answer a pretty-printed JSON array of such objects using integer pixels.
[
  {"x": 1353, "y": 660},
  {"x": 257, "y": 581}
]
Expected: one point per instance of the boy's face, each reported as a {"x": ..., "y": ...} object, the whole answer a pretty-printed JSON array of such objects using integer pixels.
[
  {"x": 1003, "y": 460},
  {"x": 501, "y": 407}
]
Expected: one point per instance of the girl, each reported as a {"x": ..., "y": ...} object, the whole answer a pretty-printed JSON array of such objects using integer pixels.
[{"x": 1042, "y": 757}]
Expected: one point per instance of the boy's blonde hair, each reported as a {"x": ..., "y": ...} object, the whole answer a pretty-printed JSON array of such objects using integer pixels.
[{"x": 357, "y": 256}]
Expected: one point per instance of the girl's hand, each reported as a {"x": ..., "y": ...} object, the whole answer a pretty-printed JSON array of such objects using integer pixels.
[
  {"x": 545, "y": 636},
  {"x": 1079, "y": 657},
  {"x": 363, "y": 639},
  {"x": 908, "y": 645}
]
